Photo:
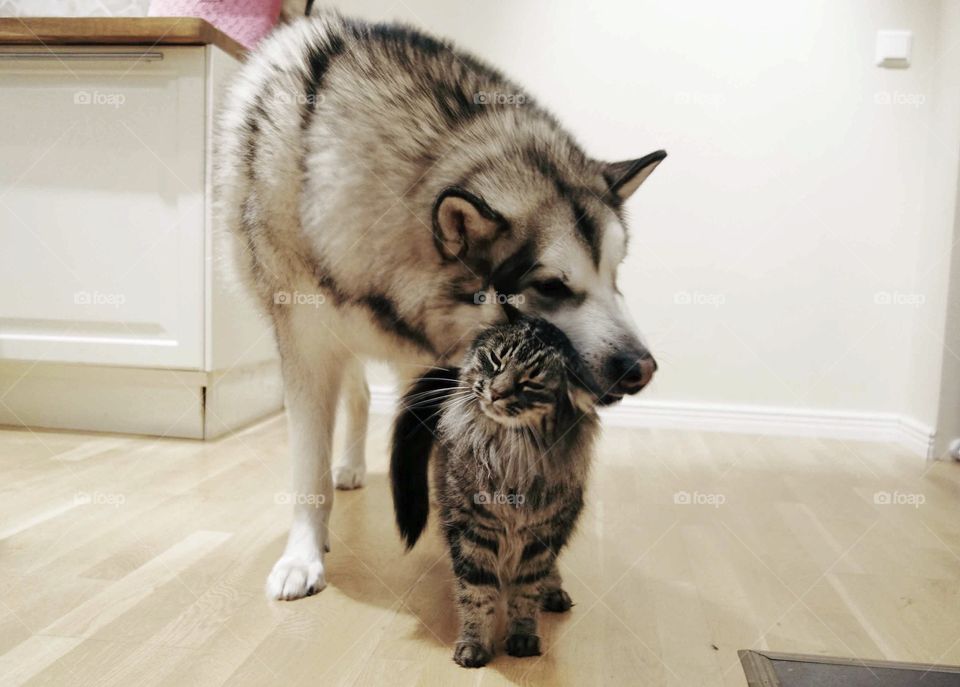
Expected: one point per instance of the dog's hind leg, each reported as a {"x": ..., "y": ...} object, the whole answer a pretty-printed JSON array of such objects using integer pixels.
[
  {"x": 312, "y": 362},
  {"x": 350, "y": 467}
]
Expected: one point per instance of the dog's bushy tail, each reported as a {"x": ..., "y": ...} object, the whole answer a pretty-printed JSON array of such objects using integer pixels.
[{"x": 412, "y": 443}]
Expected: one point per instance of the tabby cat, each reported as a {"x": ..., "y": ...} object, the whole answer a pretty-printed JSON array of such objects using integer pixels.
[{"x": 514, "y": 430}]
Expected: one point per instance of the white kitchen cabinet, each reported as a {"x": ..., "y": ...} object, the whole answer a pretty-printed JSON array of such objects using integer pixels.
[
  {"x": 102, "y": 208},
  {"x": 114, "y": 312}
]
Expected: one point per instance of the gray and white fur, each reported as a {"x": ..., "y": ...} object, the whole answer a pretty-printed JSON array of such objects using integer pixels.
[{"x": 378, "y": 168}]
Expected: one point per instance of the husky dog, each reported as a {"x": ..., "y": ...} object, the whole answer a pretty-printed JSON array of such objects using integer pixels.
[{"x": 386, "y": 191}]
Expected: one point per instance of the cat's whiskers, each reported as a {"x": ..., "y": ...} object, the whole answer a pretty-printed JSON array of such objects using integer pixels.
[
  {"x": 453, "y": 403},
  {"x": 433, "y": 397},
  {"x": 439, "y": 392}
]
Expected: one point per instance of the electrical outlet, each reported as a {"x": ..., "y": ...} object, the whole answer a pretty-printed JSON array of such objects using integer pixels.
[{"x": 894, "y": 49}]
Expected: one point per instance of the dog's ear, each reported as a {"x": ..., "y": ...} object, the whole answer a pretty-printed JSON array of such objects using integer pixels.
[
  {"x": 625, "y": 177},
  {"x": 463, "y": 223}
]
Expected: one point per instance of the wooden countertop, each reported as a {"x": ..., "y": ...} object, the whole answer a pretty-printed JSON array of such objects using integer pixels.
[{"x": 50, "y": 31}]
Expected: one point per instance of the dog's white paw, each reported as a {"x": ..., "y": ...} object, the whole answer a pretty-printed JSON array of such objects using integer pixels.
[
  {"x": 349, "y": 476},
  {"x": 294, "y": 578}
]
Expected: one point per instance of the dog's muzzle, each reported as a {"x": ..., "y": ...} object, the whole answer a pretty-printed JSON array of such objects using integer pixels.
[{"x": 629, "y": 373}]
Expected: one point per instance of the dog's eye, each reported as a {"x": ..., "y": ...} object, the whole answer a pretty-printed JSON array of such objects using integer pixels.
[{"x": 552, "y": 288}]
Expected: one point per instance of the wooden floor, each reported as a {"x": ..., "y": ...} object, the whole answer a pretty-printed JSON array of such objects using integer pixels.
[{"x": 130, "y": 561}]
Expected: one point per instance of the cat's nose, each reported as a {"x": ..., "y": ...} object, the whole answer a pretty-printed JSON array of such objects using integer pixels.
[{"x": 496, "y": 394}]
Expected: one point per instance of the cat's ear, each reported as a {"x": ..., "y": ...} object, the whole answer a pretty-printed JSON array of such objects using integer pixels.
[
  {"x": 464, "y": 225},
  {"x": 581, "y": 387},
  {"x": 513, "y": 315},
  {"x": 581, "y": 398}
]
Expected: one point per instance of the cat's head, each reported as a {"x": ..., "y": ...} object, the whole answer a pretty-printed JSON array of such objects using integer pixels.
[{"x": 526, "y": 369}]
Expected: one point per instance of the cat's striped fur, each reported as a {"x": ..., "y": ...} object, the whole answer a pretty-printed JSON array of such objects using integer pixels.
[{"x": 514, "y": 437}]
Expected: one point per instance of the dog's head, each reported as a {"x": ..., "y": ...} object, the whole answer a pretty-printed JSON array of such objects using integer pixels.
[{"x": 544, "y": 229}]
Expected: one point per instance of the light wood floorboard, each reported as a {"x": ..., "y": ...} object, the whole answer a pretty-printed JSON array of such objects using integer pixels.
[{"x": 139, "y": 561}]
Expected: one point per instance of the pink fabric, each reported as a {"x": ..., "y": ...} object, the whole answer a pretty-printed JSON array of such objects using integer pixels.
[{"x": 246, "y": 21}]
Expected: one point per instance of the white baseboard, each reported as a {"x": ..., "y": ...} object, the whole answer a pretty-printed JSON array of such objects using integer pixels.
[
  {"x": 171, "y": 403},
  {"x": 206, "y": 405},
  {"x": 916, "y": 437},
  {"x": 241, "y": 395},
  {"x": 383, "y": 399},
  {"x": 823, "y": 424},
  {"x": 635, "y": 412}
]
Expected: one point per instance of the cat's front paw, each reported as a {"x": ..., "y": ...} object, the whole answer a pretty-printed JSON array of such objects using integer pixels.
[
  {"x": 471, "y": 654},
  {"x": 556, "y": 601},
  {"x": 523, "y": 645}
]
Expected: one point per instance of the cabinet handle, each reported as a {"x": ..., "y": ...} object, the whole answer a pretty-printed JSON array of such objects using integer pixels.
[{"x": 117, "y": 55}]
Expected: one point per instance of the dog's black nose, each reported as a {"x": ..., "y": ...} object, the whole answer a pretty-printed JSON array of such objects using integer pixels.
[{"x": 631, "y": 372}]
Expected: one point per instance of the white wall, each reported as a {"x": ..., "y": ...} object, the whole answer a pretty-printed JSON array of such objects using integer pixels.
[
  {"x": 944, "y": 151},
  {"x": 802, "y": 184},
  {"x": 930, "y": 345}
]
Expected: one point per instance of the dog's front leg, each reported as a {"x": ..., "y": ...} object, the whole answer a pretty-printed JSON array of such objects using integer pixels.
[
  {"x": 350, "y": 468},
  {"x": 312, "y": 372}
]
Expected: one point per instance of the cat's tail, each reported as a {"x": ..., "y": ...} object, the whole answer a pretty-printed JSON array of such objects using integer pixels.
[{"x": 413, "y": 436}]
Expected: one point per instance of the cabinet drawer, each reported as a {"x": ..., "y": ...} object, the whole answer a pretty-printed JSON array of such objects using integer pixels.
[{"x": 102, "y": 205}]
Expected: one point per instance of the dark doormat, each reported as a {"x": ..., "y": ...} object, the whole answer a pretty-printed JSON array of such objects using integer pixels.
[{"x": 770, "y": 669}]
